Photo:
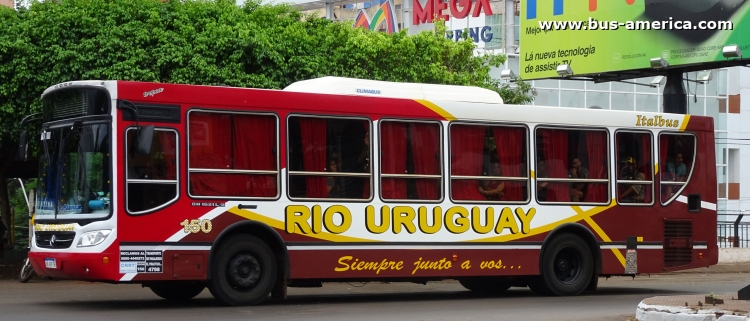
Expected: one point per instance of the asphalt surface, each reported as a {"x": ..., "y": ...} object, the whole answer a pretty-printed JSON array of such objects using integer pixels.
[{"x": 616, "y": 299}]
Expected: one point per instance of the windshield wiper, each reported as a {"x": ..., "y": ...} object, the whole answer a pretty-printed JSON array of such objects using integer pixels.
[
  {"x": 64, "y": 143},
  {"x": 46, "y": 148}
]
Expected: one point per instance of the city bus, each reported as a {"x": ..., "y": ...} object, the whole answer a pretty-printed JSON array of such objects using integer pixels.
[{"x": 247, "y": 192}]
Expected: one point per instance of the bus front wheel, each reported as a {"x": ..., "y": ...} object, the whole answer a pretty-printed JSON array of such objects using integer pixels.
[
  {"x": 243, "y": 271},
  {"x": 485, "y": 286},
  {"x": 177, "y": 290},
  {"x": 567, "y": 266}
]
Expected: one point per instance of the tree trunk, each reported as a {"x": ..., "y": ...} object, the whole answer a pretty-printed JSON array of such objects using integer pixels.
[{"x": 4, "y": 202}]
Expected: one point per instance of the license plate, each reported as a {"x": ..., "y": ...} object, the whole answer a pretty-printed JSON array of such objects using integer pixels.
[{"x": 50, "y": 263}]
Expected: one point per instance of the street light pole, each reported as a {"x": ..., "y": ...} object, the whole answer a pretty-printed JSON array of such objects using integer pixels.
[{"x": 736, "y": 241}]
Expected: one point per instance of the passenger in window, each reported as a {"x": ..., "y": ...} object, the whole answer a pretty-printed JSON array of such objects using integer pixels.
[
  {"x": 493, "y": 189},
  {"x": 631, "y": 193},
  {"x": 332, "y": 182},
  {"x": 541, "y": 187},
  {"x": 677, "y": 171},
  {"x": 579, "y": 172},
  {"x": 355, "y": 159},
  {"x": 364, "y": 157}
]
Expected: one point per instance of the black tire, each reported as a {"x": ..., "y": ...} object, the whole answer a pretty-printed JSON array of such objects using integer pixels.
[
  {"x": 27, "y": 271},
  {"x": 177, "y": 290},
  {"x": 567, "y": 266},
  {"x": 538, "y": 286},
  {"x": 243, "y": 271},
  {"x": 485, "y": 286}
]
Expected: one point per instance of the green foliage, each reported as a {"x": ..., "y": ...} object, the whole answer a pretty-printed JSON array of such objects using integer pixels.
[{"x": 21, "y": 211}]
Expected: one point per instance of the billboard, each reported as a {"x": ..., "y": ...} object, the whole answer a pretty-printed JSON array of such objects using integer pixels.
[{"x": 601, "y": 36}]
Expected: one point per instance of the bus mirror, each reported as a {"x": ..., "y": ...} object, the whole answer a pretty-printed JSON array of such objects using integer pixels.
[
  {"x": 23, "y": 144},
  {"x": 145, "y": 136}
]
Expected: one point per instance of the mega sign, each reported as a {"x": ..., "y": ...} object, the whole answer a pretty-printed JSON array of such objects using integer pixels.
[
  {"x": 457, "y": 9},
  {"x": 439, "y": 9}
]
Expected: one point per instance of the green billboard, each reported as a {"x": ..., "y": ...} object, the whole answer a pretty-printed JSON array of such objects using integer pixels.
[{"x": 602, "y": 36}]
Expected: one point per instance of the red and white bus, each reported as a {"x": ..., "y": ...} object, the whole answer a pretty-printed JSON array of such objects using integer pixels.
[{"x": 249, "y": 191}]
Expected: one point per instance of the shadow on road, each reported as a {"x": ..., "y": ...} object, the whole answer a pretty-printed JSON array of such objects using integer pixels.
[{"x": 205, "y": 300}]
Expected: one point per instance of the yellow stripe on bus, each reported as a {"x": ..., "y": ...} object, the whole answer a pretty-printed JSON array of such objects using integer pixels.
[
  {"x": 250, "y": 215},
  {"x": 656, "y": 168},
  {"x": 437, "y": 109},
  {"x": 684, "y": 123},
  {"x": 600, "y": 232},
  {"x": 581, "y": 215}
]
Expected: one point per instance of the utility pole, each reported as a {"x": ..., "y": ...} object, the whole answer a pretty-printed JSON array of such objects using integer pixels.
[{"x": 510, "y": 35}]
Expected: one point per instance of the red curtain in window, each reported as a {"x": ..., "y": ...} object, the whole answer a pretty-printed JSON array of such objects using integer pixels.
[
  {"x": 596, "y": 147},
  {"x": 647, "y": 166},
  {"x": 425, "y": 150},
  {"x": 663, "y": 153},
  {"x": 210, "y": 147},
  {"x": 467, "y": 146},
  {"x": 393, "y": 158},
  {"x": 366, "y": 181},
  {"x": 645, "y": 160},
  {"x": 254, "y": 144},
  {"x": 168, "y": 148},
  {"x": 313, "y": 132},
  {"x": 556, "y": 151},
  {"x": 666, "y": 190},
  {"x": 509, "y": 142}
]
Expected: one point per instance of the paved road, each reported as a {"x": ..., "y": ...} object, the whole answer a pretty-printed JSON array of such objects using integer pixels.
[{"x": 616, "y": 299}]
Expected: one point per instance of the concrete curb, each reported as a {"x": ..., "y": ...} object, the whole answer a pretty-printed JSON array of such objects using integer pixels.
[
  {"x": 734, "y": 255},
  {"x": 656, "y": 312}
]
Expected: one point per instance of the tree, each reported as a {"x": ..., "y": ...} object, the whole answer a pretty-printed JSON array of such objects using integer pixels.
[{"x": 210, "y": 43}]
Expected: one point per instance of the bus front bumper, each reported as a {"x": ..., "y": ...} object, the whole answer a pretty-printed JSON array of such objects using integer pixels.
[{"x": 76, "y": 266}]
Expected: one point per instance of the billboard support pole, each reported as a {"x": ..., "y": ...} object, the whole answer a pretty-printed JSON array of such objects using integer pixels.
[
  {"x": 675, "y": 97},
  {"x": 509, "y": 15}
]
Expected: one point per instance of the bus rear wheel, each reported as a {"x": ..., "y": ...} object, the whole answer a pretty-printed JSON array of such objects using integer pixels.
[
  {"x": 243, "y": 271},
  {"x": 567, "y": 266},
  {"x": 177, "y": 290},
  {"x": 485, "y": 285}
]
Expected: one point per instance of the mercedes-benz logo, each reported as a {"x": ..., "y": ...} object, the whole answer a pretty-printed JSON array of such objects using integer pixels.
[{"x": 52, "y": 241}]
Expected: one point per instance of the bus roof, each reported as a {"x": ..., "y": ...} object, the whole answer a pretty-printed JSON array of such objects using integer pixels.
[{"x": 375, "y": 88}]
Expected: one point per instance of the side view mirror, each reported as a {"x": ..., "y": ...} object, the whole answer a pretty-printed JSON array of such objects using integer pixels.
[
  {"x": 23, "y": 145},
  {"x": 145, "y": 137}
]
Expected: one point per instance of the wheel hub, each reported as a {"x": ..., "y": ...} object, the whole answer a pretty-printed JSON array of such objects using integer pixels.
[
  {"x": 568, "y": 266},
  {"x": 243, "y": 270}
]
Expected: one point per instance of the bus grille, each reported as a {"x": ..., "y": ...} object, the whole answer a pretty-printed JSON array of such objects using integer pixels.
[
  {"x": 55, "y": 240},
  {"x": 678, "y": 243}
]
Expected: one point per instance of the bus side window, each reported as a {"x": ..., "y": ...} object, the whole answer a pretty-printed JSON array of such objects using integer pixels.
[
  {"x": 151, "y": 180},
  {"x": 634, "y": 167},
  {"x": 676, "y": 161},
  {"x": 232, "y": 155},
  {"x": 572, "y": 166},
  {"x": 407, "y": 149},
  {"x": 315, "y": 143},
  {"x": 489, "y": 163}
]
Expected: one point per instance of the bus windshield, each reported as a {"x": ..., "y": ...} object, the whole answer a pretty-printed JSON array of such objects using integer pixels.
[{"x": 75, "y": 171}]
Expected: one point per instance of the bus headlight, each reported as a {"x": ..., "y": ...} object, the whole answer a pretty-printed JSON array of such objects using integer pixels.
[{"x": 93, "y": 238}]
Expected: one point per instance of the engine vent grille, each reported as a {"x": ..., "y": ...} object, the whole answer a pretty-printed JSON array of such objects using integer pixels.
[{"x": 678, "y": 243}]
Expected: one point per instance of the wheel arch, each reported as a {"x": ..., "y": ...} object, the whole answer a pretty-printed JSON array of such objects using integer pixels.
[
  {"x": 582, "y": 232},
  {"x": 266, "y": 233}
]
